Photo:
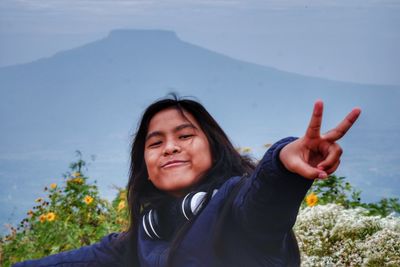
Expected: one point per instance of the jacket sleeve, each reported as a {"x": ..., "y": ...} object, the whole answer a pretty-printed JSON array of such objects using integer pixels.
[
  {"x": 104, "y": 253},
  {"x": 268, "y": 202}
]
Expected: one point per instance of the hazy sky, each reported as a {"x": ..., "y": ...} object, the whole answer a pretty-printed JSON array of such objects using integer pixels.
[{"x": 350, "y": 40}]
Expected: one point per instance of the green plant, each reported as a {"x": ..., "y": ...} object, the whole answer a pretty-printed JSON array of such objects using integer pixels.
[
  {"x": 335, "y": 189},
  {"x": 68, "y": 216}
]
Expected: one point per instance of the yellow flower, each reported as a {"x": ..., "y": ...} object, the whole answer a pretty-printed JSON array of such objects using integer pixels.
[
  {"x": 30, "y": 213},
  {"x": 122, "y": 195},
  {"x": 51, "y": 216},
  {"x": 78, "y": 180},
  {"x": 121, "y": 222},
  {"x": 42, "y": 218},
  {"x": 311, "y": 199},
  {"x": 76, "y": 174},
  {"x": 246, "y": 150},
  {"x": 88, "y": 200},
  {"x": 53, "y": 186},
  {"x": 39, "y": 199},
  {"x": 121, "y": 205}
]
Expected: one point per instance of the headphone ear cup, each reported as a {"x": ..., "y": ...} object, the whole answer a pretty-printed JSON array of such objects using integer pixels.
[
  {"x": 151, "y": 224},
  {"x": 192, "y": 204},
  {"x": 186, "y": 207}
]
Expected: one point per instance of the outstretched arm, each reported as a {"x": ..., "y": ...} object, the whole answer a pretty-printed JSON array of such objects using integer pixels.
[{"x": 267, "y": 205}]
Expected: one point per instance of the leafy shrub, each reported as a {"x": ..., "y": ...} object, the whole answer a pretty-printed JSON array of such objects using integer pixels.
[
  {"x": 70, "y": 215},
  {"x": 336, "y": 190}
]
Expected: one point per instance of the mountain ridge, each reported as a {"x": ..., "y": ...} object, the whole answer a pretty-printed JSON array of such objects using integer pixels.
[{"x": 133, "y": 36}]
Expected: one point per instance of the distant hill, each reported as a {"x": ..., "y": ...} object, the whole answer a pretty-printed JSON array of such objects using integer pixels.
[{"x": 90, "y": 98}]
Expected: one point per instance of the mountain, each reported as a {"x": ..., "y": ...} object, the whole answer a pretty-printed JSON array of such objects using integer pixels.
[{"x": 91, "y": 97}]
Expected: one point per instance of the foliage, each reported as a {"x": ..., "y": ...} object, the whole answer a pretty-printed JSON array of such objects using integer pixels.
[
  {"x": 335, "y": 190},
  {"x": 68, "y": 216}
]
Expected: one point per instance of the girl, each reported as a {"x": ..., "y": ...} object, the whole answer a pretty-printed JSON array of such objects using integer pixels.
[{"x": 195, "y": 201}]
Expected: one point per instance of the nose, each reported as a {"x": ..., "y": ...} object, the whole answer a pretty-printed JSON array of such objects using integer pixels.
[{"x": 171, "y": 148}]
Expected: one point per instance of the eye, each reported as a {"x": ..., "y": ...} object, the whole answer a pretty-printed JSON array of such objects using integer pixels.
[
  {"x": 186, "y": 136},
  {"x": 155, "y": 144}
]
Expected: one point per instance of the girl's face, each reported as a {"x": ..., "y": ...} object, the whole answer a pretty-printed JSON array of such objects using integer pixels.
[{"x": 177, "y": 152}]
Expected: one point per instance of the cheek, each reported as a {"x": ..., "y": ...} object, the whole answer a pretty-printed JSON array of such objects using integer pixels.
[
  {"x": 208, "y": 160},
  {"x": 150, "y": 161},
  {"x": 204, "y": 156}
]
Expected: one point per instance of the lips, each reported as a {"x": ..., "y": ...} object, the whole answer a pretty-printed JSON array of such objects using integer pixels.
[{"x": 174, "y": 163}]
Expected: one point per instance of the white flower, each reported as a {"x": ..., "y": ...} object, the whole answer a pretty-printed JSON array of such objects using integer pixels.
[{"x": 329, "y": 235}]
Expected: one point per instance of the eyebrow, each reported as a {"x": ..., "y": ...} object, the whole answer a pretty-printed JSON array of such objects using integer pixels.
[{"x": 177, "y": 129}]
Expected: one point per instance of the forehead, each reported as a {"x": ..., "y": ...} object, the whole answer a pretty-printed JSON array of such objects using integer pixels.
[{"x": 171, "y": 118}]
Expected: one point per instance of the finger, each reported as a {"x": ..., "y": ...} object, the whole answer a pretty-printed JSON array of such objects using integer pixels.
[
  {"x": 333, "y": 168},
  {"x": 307, "y": 171},
  {"x": 340, "y": 130},
  {"x": 314, "y": 127},
  {"x": 333, "y": 155}
]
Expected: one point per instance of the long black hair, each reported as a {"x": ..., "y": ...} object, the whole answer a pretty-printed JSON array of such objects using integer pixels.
[{"x": 227, "y": 162}]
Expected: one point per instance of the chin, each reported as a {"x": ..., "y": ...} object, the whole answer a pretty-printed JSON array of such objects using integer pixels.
[{"x": 178, "y": 190}]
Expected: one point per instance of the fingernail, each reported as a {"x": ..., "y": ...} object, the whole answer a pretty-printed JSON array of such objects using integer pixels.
[{"x": 322, "y": 175}]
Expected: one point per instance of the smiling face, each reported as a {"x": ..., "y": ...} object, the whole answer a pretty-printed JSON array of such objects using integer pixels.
[{"x": 177, "y": 152}]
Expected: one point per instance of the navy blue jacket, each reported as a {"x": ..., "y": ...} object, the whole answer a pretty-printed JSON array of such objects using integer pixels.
[{"x": 257, "y": 232}]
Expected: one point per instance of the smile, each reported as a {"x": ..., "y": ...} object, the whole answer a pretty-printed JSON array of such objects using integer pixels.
[{"x": 174, "y": 163}]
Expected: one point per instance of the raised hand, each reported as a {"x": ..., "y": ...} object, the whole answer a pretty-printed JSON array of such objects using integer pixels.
[{"x": 314, "y": 155}]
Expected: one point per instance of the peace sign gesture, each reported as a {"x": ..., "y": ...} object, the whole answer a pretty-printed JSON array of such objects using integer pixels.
[{"x": 314, "y": 155}]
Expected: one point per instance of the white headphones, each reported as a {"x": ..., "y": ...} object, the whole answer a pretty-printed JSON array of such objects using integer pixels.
[{"x": 188, "y": 207}]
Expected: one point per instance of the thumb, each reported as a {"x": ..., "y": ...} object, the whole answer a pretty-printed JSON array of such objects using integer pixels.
[{"x": 307, "y": 171}]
